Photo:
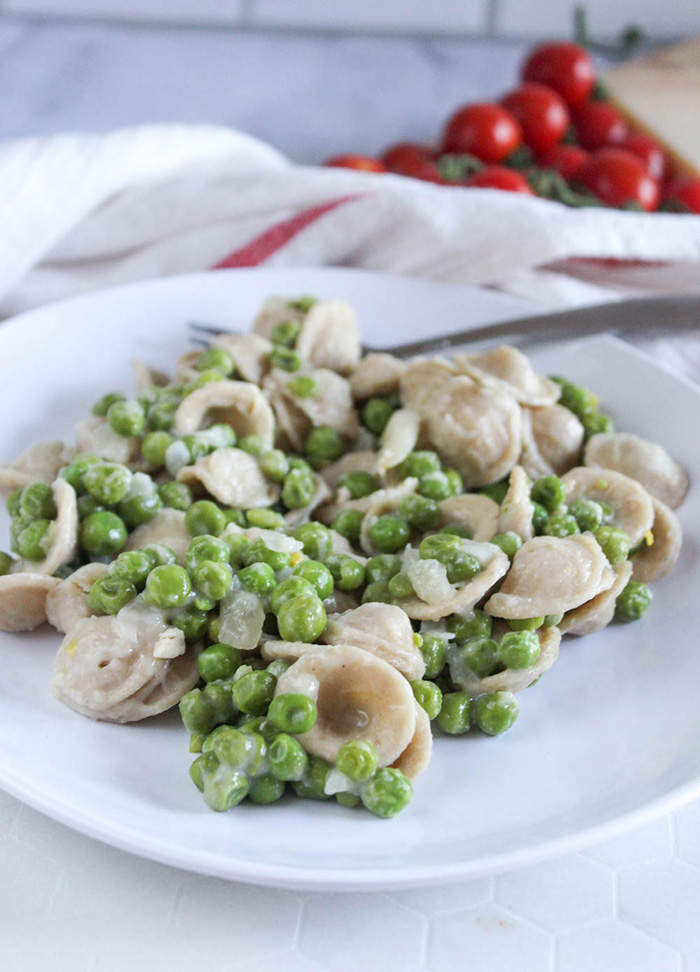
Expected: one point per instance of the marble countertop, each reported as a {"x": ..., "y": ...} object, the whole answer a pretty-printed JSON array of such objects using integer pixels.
[{"x": 67, "y": 902}]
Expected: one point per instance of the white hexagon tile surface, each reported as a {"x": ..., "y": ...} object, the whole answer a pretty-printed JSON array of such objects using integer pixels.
[{"x": 71, "y": 903}]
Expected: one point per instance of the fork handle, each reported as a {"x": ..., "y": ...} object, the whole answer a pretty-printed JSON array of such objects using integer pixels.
[{"x": 649, "y": 314}]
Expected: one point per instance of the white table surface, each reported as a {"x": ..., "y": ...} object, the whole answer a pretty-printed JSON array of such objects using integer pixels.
[{"x": 70, "y": 903}]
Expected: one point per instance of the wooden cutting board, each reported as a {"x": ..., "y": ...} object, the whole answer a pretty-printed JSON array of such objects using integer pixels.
[{"x": 661, "y": 95}]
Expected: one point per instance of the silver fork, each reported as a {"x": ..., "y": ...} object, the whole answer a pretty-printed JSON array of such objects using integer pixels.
[{"x": 650, "y": 315}]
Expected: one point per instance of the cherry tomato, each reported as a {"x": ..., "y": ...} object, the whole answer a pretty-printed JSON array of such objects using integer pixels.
[
  {"x": 649, "y": 151},
  {"x": 618, "y": 176},
  {"x": 487, "y": 131},
  {"x": 564, "y": 159},
  {"x": 598, "y": 124},
  {"x": 542, "y": 114},
  {"x": 500, "y": 177},
  {"x": 410, "y": 159},
  {"x": 566, "y": 68},
  {"x": 686, "y": 191},
  {"x": 363, "y": 162}
]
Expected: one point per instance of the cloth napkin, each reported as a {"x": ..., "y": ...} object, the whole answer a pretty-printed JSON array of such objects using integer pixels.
[{"x": 85, "y": 211}]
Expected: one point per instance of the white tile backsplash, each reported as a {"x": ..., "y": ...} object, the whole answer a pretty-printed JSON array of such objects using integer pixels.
[{"x": 461, "y": 16}]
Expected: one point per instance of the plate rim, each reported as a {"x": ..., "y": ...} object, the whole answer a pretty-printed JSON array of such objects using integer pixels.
[{"x": 409, "y": 876}]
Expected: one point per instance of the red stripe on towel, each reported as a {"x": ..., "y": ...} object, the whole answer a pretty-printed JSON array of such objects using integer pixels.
[{"x": 274, "y": 238}]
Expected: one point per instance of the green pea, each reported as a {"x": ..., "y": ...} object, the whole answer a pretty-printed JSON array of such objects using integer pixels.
[
  {"x": 286, "y": 333},
  {"x": 218, "y": 661},
  {"x": 204, "y": 378},
  {"x": 608, "y": 512},
  {"x": 316, "y": 539},
  {"x": 192, "y": 622},
  {"x": 324, "y": 445},
  {"x": 298, "y": 489},
  {"x": 348, "y": 524},
  {"x": 348, "y": 574},
  {"x": 387, "y": 792},
  {"x": 293, "y": 586},
  {"x": 213, "y": 628},
  {"x": 237, "y": 517},
  {"x": 254, "y": 445},
  {"x": 154, "y": 446},
  {"x": 259, "y": 578},
  {"x": 390, "y": 533},
  {"x": 132, "y": 567},
  {"x": 435, "y": 486},
  {"x": 14, "y": 499},
  {"x": 202, "y": 767},
  {"x": 633, "y": 603},
  {"x": 318, "y": 575},
  {"x": 279, "y": 666},
  {"x": 456, "y": 482},
  {"x": 126, "y": 418},
  {"x": 577, "y": 399},
  {"x": 561, "y": 525},
  {"x": 587, "y": 513},
  {"x": 303, "y": 386},
  {"x": 216, "y": 358},
  {"x": 197, "y": 711},
  {"x": 102, "y": 406},
  {"x": 212, "y": 579},
  {"x": 265, "y": 789},
  {"x": 496, "y": 712},
  {"x": 519, "y": 649},
  {"x": 285, "y": 358},
  {"x": 481, "y": 655},
  {"x": 293, "y": 713},
  {"x": 258, "y": 552},
  {"x": 177, "y": 496},
  {"x": 595, "y": 422},
  {"x": 37, "y": 502},
  {"x": 303, "y": 303},
  {"x": 382, "y": 567},
  {"x": 420, "y": 464},
  {"x": 160, "y": 553},
  {"x": 539, "y": 517},
  {"x": 206, "y": 548},
  {"x": 357, "y": 759},
  {"x": 107, "y": 482},
  {"x": 496, "y": 491},
  {"x": 253, "y": 692},
  {"x": 275, "y": 465},
  {"x": 379, "y": 592},
  {"x": 439, "y": 546},
  {"x": 232, "y": 746},
  {"x": 552, "y": 620},
  {"x": 312, "y": 786},
  {"x": 220, "y": 694},
  {"x": 376, "y": 414},
  {"x": 420, "y": 512},
  {"x": 224, "y": 792},
  {"x": 108, "y": 595},
  {"x": 549, "y": 491},
  {"x": 346, "y": 799},
  {"x": 434, "y": 652},
  {"x": 287, "y": 759},
  {"x": 196, "y": 742},
  {"x": 296, "y": 462},
  {"x": 139, "y": 508},
  {"x": 196, "y": 447},
  {"x": 508, "y": 542},
  {"x": 103, "y": 534},
  {"x": 428, "y": 696},
  {"x": 168, "y": 586},
  {"x": 475, "y": 624},
  {"x": 456, "y": 714},
  {"x": 161, "y": 414},
  {"x": 6, "y": 563},
  {"x": 302, "y": 618},
  {"x": 204, "y": 517},
  {"x": 615, "y": 543},
  {"x": 34, "y": 540},
  {"x": 525, "y": 624},
  {"x": 238, "y": 546},
  {"x": 401, "y": 587},
  {"x": 359, "y": 484}
]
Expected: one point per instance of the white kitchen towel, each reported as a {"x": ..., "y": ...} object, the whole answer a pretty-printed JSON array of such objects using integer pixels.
[{"x": 87, "y": 211}]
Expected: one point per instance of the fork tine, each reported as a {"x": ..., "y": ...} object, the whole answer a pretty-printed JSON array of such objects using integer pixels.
[{"x": 209, "y": 328}]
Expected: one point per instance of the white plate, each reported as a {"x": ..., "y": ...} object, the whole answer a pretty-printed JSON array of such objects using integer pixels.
[{"x": 606, "y": 741}]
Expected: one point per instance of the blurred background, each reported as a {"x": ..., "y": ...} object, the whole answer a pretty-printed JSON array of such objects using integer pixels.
[{"x": 313, "y": 77}]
